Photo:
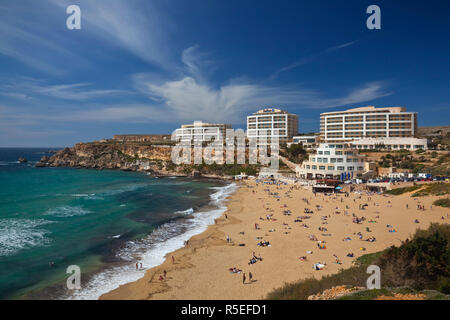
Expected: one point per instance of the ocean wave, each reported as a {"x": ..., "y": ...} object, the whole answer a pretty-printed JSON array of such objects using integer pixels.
[
  {"x": 91, "y": 196},
  {"x": 152, "y": 250},
  {"x": 67, "y": 211},
  {"x": 20, "y": 234},
  {"x": 185, "y": 212},
  {"x": 122, "y": 190},
  {"x": 4, "y": 163}
]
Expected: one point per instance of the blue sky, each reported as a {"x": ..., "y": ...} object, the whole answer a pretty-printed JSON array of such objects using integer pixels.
[{"x": 148, "y": 66}]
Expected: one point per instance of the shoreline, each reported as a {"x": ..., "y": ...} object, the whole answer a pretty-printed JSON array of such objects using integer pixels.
[
  {"x": 201, "y": 271},
  {"x": 151, "y": 253}
]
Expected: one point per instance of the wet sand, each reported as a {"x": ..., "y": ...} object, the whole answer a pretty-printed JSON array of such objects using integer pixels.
[{"x": 201, "y": 269}]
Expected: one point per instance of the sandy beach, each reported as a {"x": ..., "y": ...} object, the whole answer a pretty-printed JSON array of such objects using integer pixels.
[{"x": 201, "y": 269}]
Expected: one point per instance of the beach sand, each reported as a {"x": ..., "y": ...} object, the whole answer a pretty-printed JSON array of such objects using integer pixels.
[{"x": 201, "y": 269}]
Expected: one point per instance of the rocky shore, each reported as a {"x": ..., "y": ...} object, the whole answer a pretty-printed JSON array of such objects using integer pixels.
[{"x": 154, "y": 159}]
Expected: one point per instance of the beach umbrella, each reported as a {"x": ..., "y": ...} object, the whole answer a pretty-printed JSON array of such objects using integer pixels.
[{"x": 338, "y": 188}]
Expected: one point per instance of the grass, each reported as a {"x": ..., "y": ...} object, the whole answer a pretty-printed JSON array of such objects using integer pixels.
[
  {"x": 435, "y": 189},
  {"x": 442, "y": 202},
  {"x": 420, "y": 263},
  {"x": 399, "y": 191}
]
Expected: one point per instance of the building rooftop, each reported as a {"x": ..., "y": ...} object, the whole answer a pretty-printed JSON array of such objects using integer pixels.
[
  {"x": 370, "y": 109},
  {"x": 270, "y": 111}
]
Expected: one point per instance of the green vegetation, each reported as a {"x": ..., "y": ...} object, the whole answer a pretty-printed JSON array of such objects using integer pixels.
[
  {"x": 399, "y": 191},
  {"x": 222, "y": 170},
  {"x": 435, "y": 189},
  {"x": 442, "y": 202},
  {"x": 295, "y": 153},
  {"x": 421, "y": 263}
]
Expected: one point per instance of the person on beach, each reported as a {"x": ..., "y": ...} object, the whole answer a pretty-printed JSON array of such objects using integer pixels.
[
  {"x": 250, "y": 276},
  {"x": 137, "y": 266},
  {"x": 243, "y": 278},
  {"x": 228, "y": 238},
  {"x": 165, "y": 274},
  {"x": 173, "y": 260},
  {"x": 141, "y": 265}
]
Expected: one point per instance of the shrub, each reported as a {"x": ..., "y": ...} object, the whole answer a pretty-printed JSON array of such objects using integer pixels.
[{"x": 442, "y": 202}]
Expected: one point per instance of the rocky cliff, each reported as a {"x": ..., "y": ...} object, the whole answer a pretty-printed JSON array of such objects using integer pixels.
[{"x": 123, "y": 156}]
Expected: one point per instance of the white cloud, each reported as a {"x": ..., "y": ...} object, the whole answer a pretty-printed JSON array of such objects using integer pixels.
[
  {"x": 27, "y": 88},
  {"x": 135, "y": 26}
]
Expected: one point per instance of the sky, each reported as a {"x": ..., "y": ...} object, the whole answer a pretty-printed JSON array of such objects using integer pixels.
[{"x": 145, "y": 67}]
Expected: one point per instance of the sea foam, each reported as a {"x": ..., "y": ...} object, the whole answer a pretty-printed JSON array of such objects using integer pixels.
[
  {"x": 152, "y": 250},
  {"x": 20, "y": 234}
]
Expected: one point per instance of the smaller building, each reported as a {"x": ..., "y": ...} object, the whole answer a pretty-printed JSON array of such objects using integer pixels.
[
  {"x": 334, "y": 161},
  {"x": 390, "y": 143}
]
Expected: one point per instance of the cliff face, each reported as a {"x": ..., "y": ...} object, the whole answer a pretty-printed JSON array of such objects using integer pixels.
[{"x": 126, "y": 156}]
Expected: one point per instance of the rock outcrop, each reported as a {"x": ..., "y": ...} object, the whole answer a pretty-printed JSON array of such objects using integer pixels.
[{"x": 128, "y": 156}]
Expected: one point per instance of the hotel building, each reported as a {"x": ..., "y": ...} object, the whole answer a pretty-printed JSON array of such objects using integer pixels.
[
  {"x": 367, "y": 122},
  {"x": 268, "y": 123},
  {"x": 200, "y": 131},
  {"x": 334, "y": 161}
]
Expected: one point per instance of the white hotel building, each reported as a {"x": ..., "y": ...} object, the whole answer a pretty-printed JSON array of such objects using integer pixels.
[
  {"x": 335, "y": 161},
  {"x": 268, "y": 123},
  {"x": 367, "y": 122}
]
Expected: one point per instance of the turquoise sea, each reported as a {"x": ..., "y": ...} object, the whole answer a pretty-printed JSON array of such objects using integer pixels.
[{"x": 102, "y": 221}]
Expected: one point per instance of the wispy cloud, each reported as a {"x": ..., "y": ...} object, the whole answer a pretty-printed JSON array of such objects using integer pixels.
[
  {"x": 28, "y": 88},
  {"x": 310, "y": 58},
  {"x": 138, "y": 27}
]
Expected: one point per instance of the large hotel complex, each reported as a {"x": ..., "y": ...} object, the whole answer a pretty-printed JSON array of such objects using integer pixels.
[
  {"x": 367, "y": 122},
  {"x": 336, "y": 149}
]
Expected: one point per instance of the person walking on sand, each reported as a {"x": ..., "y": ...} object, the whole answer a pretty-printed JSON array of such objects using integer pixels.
[
  {"x": 243, "y": 278},
  {"x": 137, "y": 266},
  {"x": 141, "y": 265},
  {"x": 173, "y": 260},
  {"x": 165, "y": 274},
  {"x": 228, "y": 238},
  {"x": 250, "y": 276}
]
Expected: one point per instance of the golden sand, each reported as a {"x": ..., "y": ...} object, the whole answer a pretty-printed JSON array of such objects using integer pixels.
[{"x": 201, "y": 270}]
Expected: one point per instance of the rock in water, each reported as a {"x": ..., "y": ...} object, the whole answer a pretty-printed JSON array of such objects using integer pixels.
[{"x": 22, "y": 160}]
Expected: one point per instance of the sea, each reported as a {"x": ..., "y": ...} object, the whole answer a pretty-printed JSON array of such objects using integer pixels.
[{"x": 101, "y": 221}]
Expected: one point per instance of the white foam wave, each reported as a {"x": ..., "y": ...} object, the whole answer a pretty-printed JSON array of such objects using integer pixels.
[
  {"x": 87, "y": 196},
  {"x": 20, "y": 234},
  {"x": 152, "y": 250},
  {"x": 67, "y": 211},
  {"x": 185, "y": 212}
]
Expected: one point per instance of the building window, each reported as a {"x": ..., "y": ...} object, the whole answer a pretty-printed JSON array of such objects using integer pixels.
[
  {"x": 321, "y": 167},
  {"x": 319, "y": 152},
  {"x": 333, "y": 160},
  {"x": 338, "y": 153},
  {"x": 307, "y": 167},
  {"x": 350, "y": 168},
  {"x": 314, "y": 167},
  {"x": 340, "y": 160},
  {"x": 330, "y": 167},
  {"x": 340, "y": 168},
  {"x": 360, "y": 168},
  {"x": 327, "y": 153}
]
